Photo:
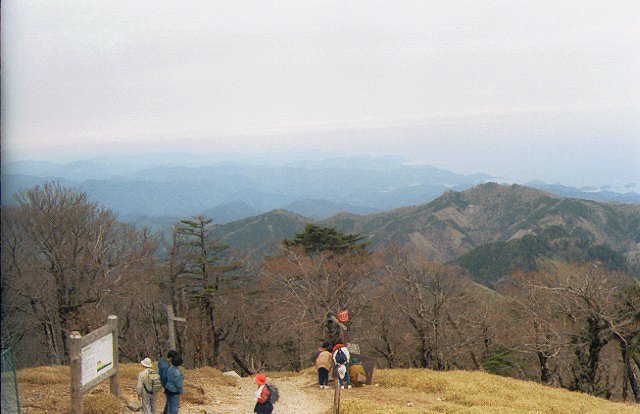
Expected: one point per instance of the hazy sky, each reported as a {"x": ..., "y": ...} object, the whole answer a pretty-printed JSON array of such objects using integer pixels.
[{"x": 546, "y": 89}]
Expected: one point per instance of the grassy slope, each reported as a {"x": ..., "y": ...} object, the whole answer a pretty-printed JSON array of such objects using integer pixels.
[
  {"x": 469, "y": 392},
  {"x": 46, "y": 390}
]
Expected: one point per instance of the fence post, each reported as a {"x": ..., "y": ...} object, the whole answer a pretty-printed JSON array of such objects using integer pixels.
[
  {"x": 114, "y": 381},
  {"x": 75, "y": 340},
  {"x": 9, "y": 391}
]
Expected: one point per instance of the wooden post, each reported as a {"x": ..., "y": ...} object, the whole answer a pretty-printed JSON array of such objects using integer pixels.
[
  {"x": 114, "y": 381},
  {"x": 336, "y": 396},
  {"x": 171, "y": 329},
  {"x": 75, "y": 342}
]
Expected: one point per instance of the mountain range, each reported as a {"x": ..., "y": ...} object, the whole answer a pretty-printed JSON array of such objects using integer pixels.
[
  {"x": 358, "y": 185},
  {"x": 458, "y": 222},
  {"x": 154, "y": 190}
]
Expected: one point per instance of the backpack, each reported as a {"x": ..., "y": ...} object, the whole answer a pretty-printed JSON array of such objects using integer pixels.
[
  {"x": 274, "y": 394},
  {"x": 341, "y": 358},
  {"x": 152, "y": 383}
]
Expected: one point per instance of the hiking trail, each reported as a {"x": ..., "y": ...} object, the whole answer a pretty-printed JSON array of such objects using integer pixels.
[{"x": 298, "y": 394}]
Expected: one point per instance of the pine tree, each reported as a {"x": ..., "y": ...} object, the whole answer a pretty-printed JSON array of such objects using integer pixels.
[{"x": 316, "y": 239}]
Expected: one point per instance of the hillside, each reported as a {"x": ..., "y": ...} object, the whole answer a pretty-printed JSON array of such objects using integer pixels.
[
  {"x": 490, "y": 262},
  {"x": 458, "y": 222},
  {"x": 45, "y": 390},
  {"x": 262, "y": 234}
]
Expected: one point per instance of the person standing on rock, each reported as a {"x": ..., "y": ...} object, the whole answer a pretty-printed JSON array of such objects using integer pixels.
[
  {"x": 323, "y": 365},
  {"x": 146, "y": 394},
  {"x": 263, "y": 406},
  {"x": 174, "y": 386}
]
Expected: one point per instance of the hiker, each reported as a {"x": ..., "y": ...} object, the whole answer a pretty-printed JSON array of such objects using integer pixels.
[
  {"x": 323, "y": 365},
  {"x": 173, "y": 386},
  {"x": 145, "y": 389},
  {"x": 357, "y": 373},
  {"x": 263, "y": 405},
  {"x": 164, "y": 364},
  {"x": 341, "y": 358}
]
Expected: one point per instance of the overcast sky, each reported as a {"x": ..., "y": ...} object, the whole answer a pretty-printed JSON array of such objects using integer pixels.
[{"x": 545, "y": 89}]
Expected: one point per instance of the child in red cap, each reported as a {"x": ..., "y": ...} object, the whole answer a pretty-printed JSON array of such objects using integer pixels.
[{"x": 263, "y": 406}]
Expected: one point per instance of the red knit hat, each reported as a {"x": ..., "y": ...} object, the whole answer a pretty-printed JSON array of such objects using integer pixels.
[{"x": 261, "y": 379}]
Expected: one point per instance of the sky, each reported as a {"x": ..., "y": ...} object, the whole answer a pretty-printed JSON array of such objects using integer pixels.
[{"x": 519, "y": 89}]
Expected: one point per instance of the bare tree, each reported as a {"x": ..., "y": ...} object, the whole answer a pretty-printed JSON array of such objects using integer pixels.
[
  {"x": 585, "y": 296},
  {"x": 535, "y": 309},
  {"x": 423, "y": 292},
  {"x": 64, "y": 256}
]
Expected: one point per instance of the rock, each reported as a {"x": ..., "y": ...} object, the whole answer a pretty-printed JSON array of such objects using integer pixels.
[
  {"x": 410, "y": 404},
  {"x": 134, "y": 406},
  {"x": 231, "y": 374}
]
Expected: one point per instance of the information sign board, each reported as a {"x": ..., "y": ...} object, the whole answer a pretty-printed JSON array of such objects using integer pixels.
[
  {"x": 343, "y": 315},
  {"x": 97, "y": 358}
]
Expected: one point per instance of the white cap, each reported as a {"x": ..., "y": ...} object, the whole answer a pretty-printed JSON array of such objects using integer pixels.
[{"x": 146, "y": 362}]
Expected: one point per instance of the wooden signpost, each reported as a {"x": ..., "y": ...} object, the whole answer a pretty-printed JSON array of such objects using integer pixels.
[
  {"x": 94, "y": 358},
  {"x": 368, "y": 363},
  {"x": 171, "y": 327}
]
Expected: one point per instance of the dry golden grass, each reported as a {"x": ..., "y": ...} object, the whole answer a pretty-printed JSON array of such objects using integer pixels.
[
  {"x": 103, "y": 403},
  {"x": 130, "y": 371},
  {"x": 46, "y": 390},
  {"x": 57, "y": 374},
  {"x": 469, "y": 392}
]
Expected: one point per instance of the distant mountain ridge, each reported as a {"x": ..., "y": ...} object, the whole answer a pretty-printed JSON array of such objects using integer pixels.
[
  {"x": 596, "y": 195},
  {"x": 458, "y": 222},
  {"x": 149, "y": 190},
  {"x": 358, "y": 185}
]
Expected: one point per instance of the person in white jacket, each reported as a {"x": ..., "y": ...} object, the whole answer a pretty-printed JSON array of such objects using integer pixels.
[
  {"x": 341, "y": 359},
  {"x": 148, "y": 398}
]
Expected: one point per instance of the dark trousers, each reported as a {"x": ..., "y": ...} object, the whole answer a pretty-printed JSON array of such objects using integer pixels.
[
  {"x": 265, "y": 408},
  {"x": 173, "y": 404},
  {"x": 323, "y": 376}
]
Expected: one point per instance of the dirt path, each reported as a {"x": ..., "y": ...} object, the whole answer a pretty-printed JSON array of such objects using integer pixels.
[{"x": 298, "y": 394}]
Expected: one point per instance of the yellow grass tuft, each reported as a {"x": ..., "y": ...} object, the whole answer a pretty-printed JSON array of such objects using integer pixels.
[
  {"x": 45, "y": 375},
  {"x": 103, "y": 403},
  {"x": 466, "y": 392},
  {"x": 130, "y": 371}
]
